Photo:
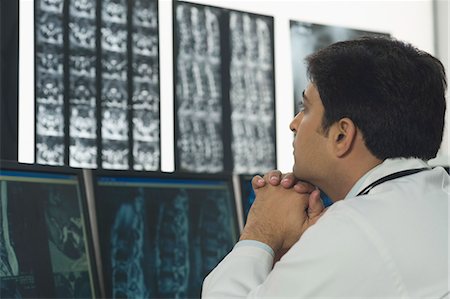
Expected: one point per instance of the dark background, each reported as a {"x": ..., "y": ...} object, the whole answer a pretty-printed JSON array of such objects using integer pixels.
[{"x": 9, "y": 46}]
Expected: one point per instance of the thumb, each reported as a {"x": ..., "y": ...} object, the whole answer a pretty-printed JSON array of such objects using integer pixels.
[{"x": 315, "y": 204}]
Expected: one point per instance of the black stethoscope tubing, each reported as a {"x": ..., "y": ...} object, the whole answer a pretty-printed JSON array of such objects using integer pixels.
[{"x": 390, "y": 177}]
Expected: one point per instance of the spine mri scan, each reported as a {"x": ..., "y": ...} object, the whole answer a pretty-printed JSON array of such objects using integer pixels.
[
  {"x": 199, "y": 90},
  {"x": 97, "y": 72}
]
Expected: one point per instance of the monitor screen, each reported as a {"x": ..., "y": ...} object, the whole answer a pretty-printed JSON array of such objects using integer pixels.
[
  {"x": 161, "y": 234},
  {"x": 247, "y": 194},
  {"x": 45, "y": 242}
]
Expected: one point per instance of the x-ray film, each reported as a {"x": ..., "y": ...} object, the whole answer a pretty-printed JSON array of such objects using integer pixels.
[
  {"x": 224, "y": 90},
  {"x": 82, "y": 77},
  {"x": 145, "y": 99},
  {"x": 252, "y": 93},
  {"x": 114, "y": 95},
  {"x": 50, "y": 82},
  {"x": 161, "y": 235},
  {"x": 97, "y": 73},
  {"x": 198, "y": 89},
  {"x": 306, "y": 38}
]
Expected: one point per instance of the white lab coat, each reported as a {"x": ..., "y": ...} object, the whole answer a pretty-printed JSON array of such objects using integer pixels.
[{"x": 391, "y": 243}]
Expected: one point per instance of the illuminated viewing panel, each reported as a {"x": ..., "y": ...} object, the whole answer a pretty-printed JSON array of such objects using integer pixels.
[
  {"x": 224, "y": 83},
  {"x": 161, "y": 234},
  {"x": 45, "y": 247}
]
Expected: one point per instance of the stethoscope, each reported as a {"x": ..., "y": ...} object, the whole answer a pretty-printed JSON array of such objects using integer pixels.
[{"x": 390, "y": 177}]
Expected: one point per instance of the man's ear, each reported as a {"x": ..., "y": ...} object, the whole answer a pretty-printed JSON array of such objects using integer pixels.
[{"x": 342, "y": 136}]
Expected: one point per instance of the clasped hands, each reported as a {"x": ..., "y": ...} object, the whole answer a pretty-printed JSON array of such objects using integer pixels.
[{"x": 284, "y": 208}]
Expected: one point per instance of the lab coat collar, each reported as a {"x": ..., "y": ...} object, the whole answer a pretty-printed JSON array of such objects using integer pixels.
[{"x": 387, "y": 167}]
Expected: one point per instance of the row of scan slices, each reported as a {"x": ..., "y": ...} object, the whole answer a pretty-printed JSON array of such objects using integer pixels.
[{"x": 72, "y": 233}]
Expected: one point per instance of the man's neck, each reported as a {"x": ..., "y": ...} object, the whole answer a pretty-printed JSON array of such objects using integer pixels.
[{"x": 346, "y": 176}]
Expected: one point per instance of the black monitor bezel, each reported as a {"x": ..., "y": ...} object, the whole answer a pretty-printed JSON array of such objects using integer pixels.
[
  {"x": 64, "y": 170},
  {"x": 224, "y": 177},
  {"x": 244, "y": 177}
]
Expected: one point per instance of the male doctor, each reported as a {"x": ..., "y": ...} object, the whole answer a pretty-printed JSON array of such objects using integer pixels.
[{"x": 372, "y": 115}]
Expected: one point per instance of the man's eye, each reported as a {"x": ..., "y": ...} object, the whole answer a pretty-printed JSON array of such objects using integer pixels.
[{"x": 301, "y": 107}]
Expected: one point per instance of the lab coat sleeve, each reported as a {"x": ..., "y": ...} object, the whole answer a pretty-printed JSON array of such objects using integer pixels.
[
  {"x": 333, "y": 258},
  {"x": 243, "y": 269}
]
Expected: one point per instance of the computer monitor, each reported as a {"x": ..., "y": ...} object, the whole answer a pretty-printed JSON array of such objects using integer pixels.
[
  {"x": 161, "y": 234},
  {"x": 45, "y": 244},
  {"x": 248, "y": 195}
]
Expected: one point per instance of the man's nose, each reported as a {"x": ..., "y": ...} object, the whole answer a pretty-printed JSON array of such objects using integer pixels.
[{"x": 294, "y": 123}]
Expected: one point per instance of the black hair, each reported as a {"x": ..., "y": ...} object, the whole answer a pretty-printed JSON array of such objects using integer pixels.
[{"x": 393, "y": 92}]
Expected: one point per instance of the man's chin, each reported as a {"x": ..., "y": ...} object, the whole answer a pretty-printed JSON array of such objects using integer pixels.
[
  {"x": 296, "y": 172},
  {"x": 300, "y": 175}
]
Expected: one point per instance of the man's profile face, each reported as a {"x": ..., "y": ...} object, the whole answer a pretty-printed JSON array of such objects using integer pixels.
[{"x": 310, "y": 142}]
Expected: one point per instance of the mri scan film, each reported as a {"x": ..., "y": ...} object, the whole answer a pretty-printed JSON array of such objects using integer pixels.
[
  {"x": 97, "y": 84},
  {"x": 307, "y": 38},
  {"x": 224, "y": 90}
]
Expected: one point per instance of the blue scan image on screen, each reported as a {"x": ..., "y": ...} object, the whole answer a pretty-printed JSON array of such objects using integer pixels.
[
  {"x": 160, "y": 236},
  {"x": 44, "y": 252},
  {"x": 325, "y": 199},
  {"x": 248, "y": 195}
]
